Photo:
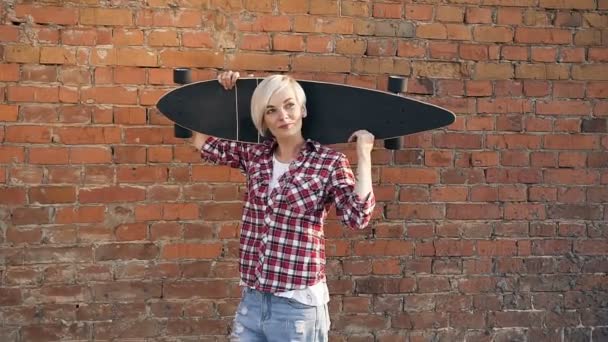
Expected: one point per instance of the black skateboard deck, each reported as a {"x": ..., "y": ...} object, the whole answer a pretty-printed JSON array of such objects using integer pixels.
[{"x": 335, "y": 111}]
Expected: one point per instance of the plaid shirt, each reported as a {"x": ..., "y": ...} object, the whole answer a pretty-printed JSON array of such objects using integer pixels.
[{"x": 282, "y": 244}]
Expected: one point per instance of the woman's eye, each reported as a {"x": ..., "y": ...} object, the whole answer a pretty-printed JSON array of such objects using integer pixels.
[
  {"x": 290, "y": 105},
  {"x": 270, "y": 111}
]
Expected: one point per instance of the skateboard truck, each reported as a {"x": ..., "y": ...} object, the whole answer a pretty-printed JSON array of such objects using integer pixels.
[
  {"x": 397, "y": 85},
  {"x": 182, "y": 76}
]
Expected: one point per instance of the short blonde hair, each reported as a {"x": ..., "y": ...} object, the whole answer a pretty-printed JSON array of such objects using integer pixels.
[{"x": 264, "y": 91}]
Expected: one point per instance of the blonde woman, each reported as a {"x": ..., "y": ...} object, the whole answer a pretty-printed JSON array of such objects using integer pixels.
[{"x": 291, "y": 184}]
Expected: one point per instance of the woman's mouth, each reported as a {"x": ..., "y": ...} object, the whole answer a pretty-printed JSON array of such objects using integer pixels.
[{"x": 286, "y": 126}]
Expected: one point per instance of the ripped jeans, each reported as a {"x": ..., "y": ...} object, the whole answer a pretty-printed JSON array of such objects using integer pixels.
[{"x": 263, "y": 317}]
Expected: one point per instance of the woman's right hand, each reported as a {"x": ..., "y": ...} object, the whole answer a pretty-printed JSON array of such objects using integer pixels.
[{"x": 228, "y": 79}]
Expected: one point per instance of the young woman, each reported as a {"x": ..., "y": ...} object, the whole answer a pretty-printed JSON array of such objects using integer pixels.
[{"x": 291, "y": 184}]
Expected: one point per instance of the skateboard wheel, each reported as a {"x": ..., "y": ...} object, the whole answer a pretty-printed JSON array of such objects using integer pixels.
[
  {"x": 397, "y": 84},
  {"x": 182, "y": 76},
  {"x": 393, "y": 144},
  {"x": 181, "y": 132}
]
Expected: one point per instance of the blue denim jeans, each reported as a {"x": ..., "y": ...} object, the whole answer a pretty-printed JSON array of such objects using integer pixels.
[{"x": 263, "y": 317}]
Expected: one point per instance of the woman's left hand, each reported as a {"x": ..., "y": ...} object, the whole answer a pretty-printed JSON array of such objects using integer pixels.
[{"x": 365, "y": 141}]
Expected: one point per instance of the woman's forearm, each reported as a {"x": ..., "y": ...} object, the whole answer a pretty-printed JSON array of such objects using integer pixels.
[
  {"x": 198, "y": 139},
  {"x": 363, "y": 186}
]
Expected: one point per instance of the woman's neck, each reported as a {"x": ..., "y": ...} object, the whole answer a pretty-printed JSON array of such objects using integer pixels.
[{"x": 288, "y": 149}]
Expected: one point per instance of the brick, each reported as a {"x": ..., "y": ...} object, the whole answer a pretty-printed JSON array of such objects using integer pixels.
[
  {"x": 570, "y": 142},
  {"x": 509, "y": 16},
  {"x": 291, "y": 7},
  {"x": 9, "y": 72},
  {"x": 472, "y": 211},
  {"x": 52, "y": 194},
  {"x": 589, "y": 72},
  {"x": 79, "y": 37},
  {"x": 106, "y": 16},
  {"x": 598, "y": 54},
  {"x": 9, "y": 33},
  {"x": 163, "y": 38},
  {"x": 544, "y": 54},
  {"x": 28, "y": 134},
  {"x": 383, "y": 248},
  {"x": 170, "y": 58},
  {"x": 493, "y": 34},
  {"x": 169, "y": 18},
  {"x": 265, "y": 23},
  {"x": 90, "y": 155},
  {"x": 380, "y": 47},
  {"x": 591, "y": 247},
  {"x": 588, "y": 37},
  {"x": 408, "y": 176},
  {"x": 497, "y": 248},
  {"x": 48, "y": 14},
  {"x": 574, "y": 212},
  {"x": 542, "y": 71},
  {"x": 191, "y": 251},
  {"x": 198, "y": 39},
  {"x": 354, "y": 8},
  {"x": 490, "y": 71},
  {"x": 534, "y": 17},
  {"x": 126, "y": 251},
  {"x": 388, "y": 10},
  {"x": 449, "y": 14},
  {"x": 46, "y": 155},
  {"x": 459, "y": 32},
  {"x": 253, "y": 61},
  {"x": 129, "y": 75},
  {"x": 323, "y": 25},
  {"x": 111, "y": 194},
  {"x": 437, "y": 69},
  {"x": 597, "y": 89},
  {"x": 321, "y": 63},
  {"x": 255, "y": 42},
  {"x": 22, "y": 54},
  {"x": 568, "y": 4},
  {"x": 557, "y": 107},
  {"x": 542, "y": 36},
  {"x": 349, "y": 46},
  {"x": 136, "y": 57},
  {"x": 82, "y": 214},
  {"x": 480, "y": 15},
  {"x": 514, "y": 3},
  {"x": 394, "y": 28},
  {"x": 568, "y": 90},
  {"x": 596, "y": 20},
  {"x": 9, "y": 113},
  {"x": 432, "y": 31},
  {"x": 110, "y": 95},
  {"x": 283, "y": 42},
  {"x": 419, "y": 12},
  {"x": 57, "y": 55},
  {"x": 319, "y": 44},
  {"x": 445, "y": 51},
  {"x": 124, "y": 37},
  {"x": 143, "y": 174},
  {"x": 473, "y": 52}
]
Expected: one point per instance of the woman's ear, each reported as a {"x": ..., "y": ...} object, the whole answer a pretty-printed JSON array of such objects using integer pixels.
[{"x": 304, "y": 112}]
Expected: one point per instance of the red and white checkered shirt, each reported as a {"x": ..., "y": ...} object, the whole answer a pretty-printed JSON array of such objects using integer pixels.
[{"x": 282, "y": 244}]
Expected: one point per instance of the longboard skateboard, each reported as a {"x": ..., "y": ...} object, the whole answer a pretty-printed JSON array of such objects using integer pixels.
[{"x": 335, "y": 111}]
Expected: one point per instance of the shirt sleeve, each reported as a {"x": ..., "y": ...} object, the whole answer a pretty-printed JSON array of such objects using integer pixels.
[
  {"x": 226, "y": 152},
  {"x": 353, "y": 211}
]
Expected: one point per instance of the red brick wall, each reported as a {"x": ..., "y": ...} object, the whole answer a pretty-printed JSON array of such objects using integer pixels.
[{"x": 491, "y": 230}]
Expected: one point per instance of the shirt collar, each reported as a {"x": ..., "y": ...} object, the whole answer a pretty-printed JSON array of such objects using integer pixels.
[{"x": 311, "y": 145}]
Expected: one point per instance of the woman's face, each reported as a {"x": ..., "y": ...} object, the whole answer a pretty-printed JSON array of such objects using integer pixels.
[{"x": 283, "y": 114}]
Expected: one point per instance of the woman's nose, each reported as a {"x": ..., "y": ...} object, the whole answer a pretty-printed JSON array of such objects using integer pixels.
[{"x": 283, "y": 113}]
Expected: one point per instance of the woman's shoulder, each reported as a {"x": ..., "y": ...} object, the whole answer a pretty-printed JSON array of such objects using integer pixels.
[{"x": 329, "y": 153}]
